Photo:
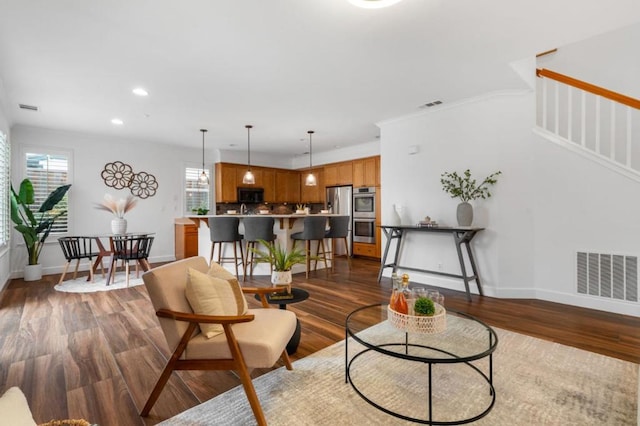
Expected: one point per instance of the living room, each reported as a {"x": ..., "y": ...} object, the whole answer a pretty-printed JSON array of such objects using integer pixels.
[{"x": 547, "y": 205}]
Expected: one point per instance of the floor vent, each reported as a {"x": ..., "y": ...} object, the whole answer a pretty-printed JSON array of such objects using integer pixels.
[{"x": 612, "y": 276}]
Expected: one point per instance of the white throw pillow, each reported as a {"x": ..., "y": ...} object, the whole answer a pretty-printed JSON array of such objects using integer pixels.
[
  {"x": 14, "y": 409},
  {"x": 209, "y": 295}
]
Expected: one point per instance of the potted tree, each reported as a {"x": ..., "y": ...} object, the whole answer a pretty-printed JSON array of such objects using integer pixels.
[
  {"x": 466, "y": 189},
  {"x": 35, "y": 225},
  {"x": 281, "y": 259}
]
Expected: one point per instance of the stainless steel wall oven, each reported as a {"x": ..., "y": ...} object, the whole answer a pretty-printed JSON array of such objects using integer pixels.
[{"x": 364, "y": 215}]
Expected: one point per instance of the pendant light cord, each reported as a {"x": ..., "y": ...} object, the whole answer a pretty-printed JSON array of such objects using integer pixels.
[
  {"x": 248, "y": 126},
  {"x": 310, "y": 149}
]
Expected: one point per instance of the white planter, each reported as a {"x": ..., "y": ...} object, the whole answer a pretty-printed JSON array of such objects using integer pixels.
[
  {"x": 281, "y": 278},
  {"x": 33, "y": 272},
  {"x": 118, "y": 226}
]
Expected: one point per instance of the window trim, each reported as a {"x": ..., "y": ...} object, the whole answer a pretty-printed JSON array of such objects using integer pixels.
[
  {"x": 49, "y": 150},
  {"x": 191, "y": 165},
  {"x": 5, "y": 236}
]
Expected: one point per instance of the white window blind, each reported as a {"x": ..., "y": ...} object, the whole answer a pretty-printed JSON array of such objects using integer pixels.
[
  {"x": 47, "y": 172},
  {"x": 196, "y": 193},
  {"x": 5, "y": 188}
]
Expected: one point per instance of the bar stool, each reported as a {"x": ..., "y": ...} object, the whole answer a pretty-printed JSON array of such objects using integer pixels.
[
  {"x": 255, "y": 229},
  {"x": 338, "y": 229},
  {"x": 313, "y": 230},
  {"x": 225, "y": 230}
]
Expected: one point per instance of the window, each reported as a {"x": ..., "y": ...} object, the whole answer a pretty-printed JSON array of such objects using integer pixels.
[
  {"x": 5, "y": 185},
  {"x": 47, "y": 172},
  {"x": 196, "y": 192}
]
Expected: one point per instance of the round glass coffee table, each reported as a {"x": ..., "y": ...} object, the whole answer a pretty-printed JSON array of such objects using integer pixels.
[{"x": 438, "y": 379}]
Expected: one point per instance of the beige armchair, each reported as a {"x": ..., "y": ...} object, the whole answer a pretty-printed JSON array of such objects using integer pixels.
[{"x": 254, "y": 340}]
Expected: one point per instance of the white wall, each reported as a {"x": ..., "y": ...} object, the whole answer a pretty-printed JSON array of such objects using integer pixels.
[
  {"x": 608, "y": 60},
  {"x": 90, "y": 154},
  {"x": 548, "y": 203}
]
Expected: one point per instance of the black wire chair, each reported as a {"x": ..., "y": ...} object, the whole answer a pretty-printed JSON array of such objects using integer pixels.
[
  {"x": 77, "y": 248},
  {"x": 137, "y": 248}
]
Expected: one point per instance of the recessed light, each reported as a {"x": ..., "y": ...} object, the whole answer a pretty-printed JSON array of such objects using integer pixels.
[
  {"x": 232, "y": 144},
  {"x": 139, "y": 91},
  {"x": 117, "y": 121}
]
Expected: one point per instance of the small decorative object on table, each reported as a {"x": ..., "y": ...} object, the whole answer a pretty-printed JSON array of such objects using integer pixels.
[
  {"x": 409, "y": 310},
  {"x": 282, "y": 262},
  {"x": 427, "y": 222}
]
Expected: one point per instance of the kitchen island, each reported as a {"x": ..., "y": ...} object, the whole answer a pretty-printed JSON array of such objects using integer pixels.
[{"x": 284, "y": 226}]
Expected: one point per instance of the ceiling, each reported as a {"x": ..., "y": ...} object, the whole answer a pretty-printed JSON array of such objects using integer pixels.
[{"x": 284, "y": 66}]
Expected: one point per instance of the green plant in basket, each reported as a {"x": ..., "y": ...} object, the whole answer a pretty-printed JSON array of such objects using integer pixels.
[{"x": 424, "y": 306}]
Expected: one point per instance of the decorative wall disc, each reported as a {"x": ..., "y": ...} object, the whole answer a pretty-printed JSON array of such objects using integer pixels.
[
  {"x": 117, "y": 175},
  {"x": 143, "y": 185}
]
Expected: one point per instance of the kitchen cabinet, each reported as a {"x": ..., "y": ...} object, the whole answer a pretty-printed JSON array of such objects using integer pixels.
[
  {"x": 186, "y": 238},
  {"x": 338, "y": 174},
  {"x": 226, "y": 183},
  {"x": 366, "y": 172},
  {"x": 269, "y": 179},
  {"x": 312, "y": 194},
  {"x": 287, "y": 186}
]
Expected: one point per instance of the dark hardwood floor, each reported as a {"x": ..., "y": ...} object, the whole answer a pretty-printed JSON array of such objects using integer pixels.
[{"x": 97, "y": 356}]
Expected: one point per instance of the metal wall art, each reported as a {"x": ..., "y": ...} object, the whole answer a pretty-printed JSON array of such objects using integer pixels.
[{"x": 119, "y": 175}]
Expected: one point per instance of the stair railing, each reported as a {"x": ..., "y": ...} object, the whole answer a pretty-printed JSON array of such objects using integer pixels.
[{"x": 598, "y": 120}]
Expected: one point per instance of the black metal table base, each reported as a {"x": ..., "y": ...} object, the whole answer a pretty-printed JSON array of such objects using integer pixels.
[{"x": 461, "y": 237}]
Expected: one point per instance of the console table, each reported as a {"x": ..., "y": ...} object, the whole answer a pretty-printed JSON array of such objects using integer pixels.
[{"x": 461, "y": 236}]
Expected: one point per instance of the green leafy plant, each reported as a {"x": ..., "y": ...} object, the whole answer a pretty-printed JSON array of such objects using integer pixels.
[
  {"x": 282, "y": 260},
  {"x": 200, "y": 211},
  {"x": 424, "y": 306},
  {"x": 465, "y": 187},
  {"x": 35, "y": 225}
]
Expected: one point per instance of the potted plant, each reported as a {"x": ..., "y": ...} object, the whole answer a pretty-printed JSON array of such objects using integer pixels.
[
  {"x": 35, "y": 225},
  {"x": 281, "y": 259},
  {"x": 466, "y": 189}
]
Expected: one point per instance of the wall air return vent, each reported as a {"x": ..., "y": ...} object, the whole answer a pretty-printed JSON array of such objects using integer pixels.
[
  {"x": 612, "y": 276},
  {"x": 28, "y": 107},
  {"x": 430, "y": 104}
]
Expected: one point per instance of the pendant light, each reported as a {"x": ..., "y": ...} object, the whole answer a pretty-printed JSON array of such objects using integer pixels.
[
  {"x": 204, "y": 179},
  {"x": 248, "y": 178},
  {"x": 311, "y": 179}
]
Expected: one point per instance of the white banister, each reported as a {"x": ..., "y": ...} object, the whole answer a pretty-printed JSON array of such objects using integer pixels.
[{"x": 587, "y": 116}]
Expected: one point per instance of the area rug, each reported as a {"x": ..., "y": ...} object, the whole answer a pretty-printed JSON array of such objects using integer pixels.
[
  {"x": 81, "y": 285},
  {"x": 536, "y": 382}
]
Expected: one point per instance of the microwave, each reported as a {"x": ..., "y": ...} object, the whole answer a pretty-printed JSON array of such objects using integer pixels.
[{"x": 250, "y": 195}]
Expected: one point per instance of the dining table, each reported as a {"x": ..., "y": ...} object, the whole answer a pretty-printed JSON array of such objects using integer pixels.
[{"x": 110, "y": 252}]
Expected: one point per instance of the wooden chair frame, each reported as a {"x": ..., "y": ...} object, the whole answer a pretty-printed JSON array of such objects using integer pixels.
[{"x": 236, "y": 363}]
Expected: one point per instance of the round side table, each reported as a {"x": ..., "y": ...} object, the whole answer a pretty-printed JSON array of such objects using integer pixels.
[{"x": 299, "y": 295}]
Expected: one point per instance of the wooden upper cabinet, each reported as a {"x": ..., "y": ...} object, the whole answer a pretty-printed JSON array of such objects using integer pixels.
[
  {"x": 226, "y": 183},
  {"x": 366, "y": 172},
  {"x": 345, "y": 173},
  {"x": 269, "y": 179},
  {"x": 287, "y": 186},
  {"x": 338, "y": 174},
  {"x": 312, "y": 194}
]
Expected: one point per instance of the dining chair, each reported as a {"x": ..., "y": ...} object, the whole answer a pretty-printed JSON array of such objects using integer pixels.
[
  {"x": 245, "y": 338},
  {"x": 137, "y": 248},
  {"x": 77, "y": 248}
]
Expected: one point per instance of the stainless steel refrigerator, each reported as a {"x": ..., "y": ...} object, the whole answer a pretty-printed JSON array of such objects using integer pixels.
[{"x": 339, "y": 201}]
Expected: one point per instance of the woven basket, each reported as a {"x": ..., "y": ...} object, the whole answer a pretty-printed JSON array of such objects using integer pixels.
[{"x": 419, "y": 324}]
